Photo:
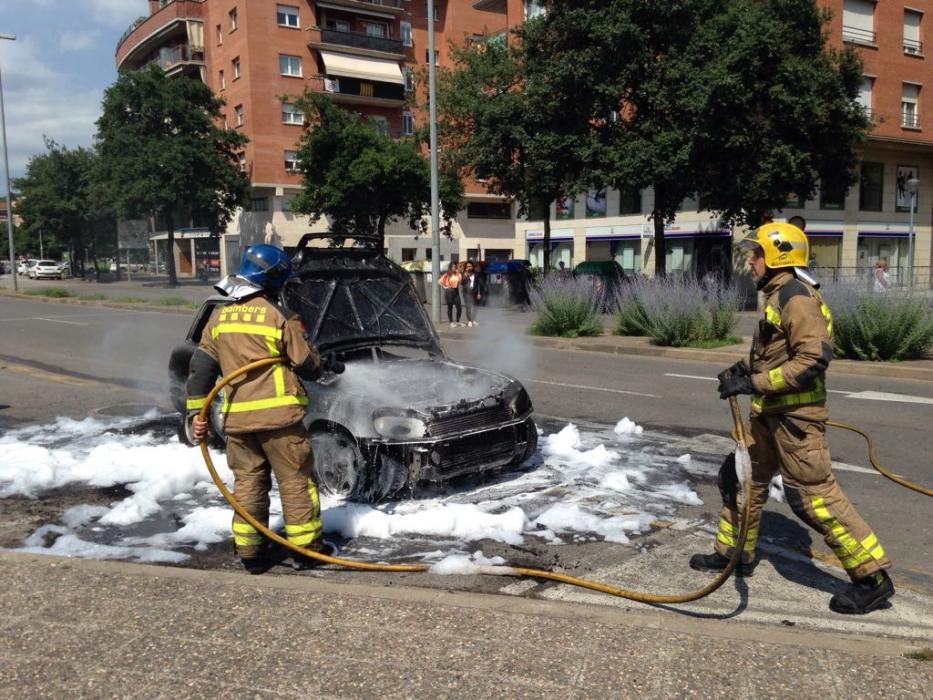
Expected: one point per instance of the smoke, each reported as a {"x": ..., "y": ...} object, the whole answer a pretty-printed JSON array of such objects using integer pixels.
[{"x": 500, "y": 341}]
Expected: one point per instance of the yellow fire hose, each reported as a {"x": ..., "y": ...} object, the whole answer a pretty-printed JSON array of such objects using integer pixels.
[{"x": 515, "y": 570}]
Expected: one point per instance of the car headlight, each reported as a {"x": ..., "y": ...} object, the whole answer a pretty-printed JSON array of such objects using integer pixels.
[
  {"x": 399, "y": 426},
  {"x": 517, "y": 399}
]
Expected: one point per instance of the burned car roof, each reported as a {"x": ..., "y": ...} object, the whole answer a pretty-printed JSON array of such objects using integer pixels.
[{"x": 351, "y": 298}]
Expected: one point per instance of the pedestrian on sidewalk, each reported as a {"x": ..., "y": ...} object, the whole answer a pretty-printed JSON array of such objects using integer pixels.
[
  {"x": 880, "y": 280},
  {"x": 263, "y": 410},
  {"x": 470, "y": 294},
  {"x": 790, "y": 352},
  {"x": 450, "y": 283}
]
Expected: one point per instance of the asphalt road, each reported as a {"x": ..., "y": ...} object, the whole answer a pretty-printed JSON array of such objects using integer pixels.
[{"x": 63, "y": 359}]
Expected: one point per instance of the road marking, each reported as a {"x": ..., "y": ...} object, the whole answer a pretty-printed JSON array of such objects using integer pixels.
[
  {"x": 885, "y": 396},
  {"x": 58, "y": 320},
  {"x": 47, "y": 376},
  {"x": 592, "y": 388},
  {"x": 843, "y": 467}
]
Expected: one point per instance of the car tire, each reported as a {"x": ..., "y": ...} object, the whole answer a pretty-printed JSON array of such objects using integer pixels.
[
  {"x": 339, "y": 468},
  {"x": 531, "y": 442}
]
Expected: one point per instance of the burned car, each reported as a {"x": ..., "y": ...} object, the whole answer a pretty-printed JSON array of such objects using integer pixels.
[{"x": 402, "y": 413}]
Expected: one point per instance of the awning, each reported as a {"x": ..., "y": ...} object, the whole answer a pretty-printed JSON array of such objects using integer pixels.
[{"x": 376, "y": 69}]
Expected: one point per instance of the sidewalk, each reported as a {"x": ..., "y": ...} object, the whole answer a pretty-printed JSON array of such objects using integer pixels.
[{"x": 76, "y": 628}]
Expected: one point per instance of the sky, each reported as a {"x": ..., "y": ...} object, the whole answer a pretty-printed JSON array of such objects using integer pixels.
[
  {"x": 607, "y": 484},
  {"x": 55, "y": 73}
]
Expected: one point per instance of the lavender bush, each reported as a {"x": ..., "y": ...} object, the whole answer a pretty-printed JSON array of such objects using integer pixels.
[
  {"x": 679, "y": 312},
  {"x": 565, "y": 307},
  {"x": 879, "y": 326}
]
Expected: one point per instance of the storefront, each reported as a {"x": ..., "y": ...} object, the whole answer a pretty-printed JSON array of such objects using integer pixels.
[
  {"x": 561, "y": 247},
  {"x": 889, "y": 241},
  {"x": 620, "y": 243},
  {"x": 196, "y": 252}
]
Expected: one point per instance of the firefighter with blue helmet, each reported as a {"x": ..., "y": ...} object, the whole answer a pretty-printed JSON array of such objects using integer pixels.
[
  {"x": 785, "y": 376},
  {"x": 262, "y": 410}
]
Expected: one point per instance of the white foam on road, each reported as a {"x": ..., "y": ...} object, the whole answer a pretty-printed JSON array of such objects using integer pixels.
[{"x": 604, "y": 484}]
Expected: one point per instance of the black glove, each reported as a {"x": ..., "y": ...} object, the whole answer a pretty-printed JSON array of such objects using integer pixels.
[
  {"x": 330, "y": 363},
  {"x": 735, "y": 380}
]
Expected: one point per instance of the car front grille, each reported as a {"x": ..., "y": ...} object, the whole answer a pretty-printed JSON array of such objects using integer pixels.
[
  {"x": 476, "y": 453},
  {"x": 474, "y": 420}
]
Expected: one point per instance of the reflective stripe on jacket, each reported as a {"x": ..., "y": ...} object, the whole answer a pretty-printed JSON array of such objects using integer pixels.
[
  {"x": 237, "y": 334},
  {"x": 791, "y": 350}
]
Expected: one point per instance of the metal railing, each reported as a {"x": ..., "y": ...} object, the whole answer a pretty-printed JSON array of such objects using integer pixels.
[
  {"x": 360, "y": 40},
  {"x": 857, "y": 34},
  {"x": 910, "y": 120},
  {"x": 899, "y": 276},
  {"x": 912, "y": 47},
  {"x": 179, "y": 54}
]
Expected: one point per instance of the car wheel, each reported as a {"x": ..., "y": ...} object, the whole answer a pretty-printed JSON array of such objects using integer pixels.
[
  {"x": 531, "y": 443},
  {"x": 338, "y": 464}
]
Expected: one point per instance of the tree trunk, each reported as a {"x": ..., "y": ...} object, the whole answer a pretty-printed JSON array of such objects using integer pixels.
[
  {"x": 547, "y": 241},
  {"x": 170, "y": 262},
  {"x": 660, "y": 245}
]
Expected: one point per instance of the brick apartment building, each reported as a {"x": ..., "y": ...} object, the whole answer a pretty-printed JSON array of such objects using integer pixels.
[{"x": 365, "y": 53}]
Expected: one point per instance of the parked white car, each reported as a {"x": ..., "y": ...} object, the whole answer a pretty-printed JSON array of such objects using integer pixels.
[
  {"x": 46, "y": 269},
  {"x": 22, "y": 267}
]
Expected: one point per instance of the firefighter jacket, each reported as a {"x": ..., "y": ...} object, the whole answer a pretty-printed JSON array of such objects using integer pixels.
[
  {"x": 791, "y": 349},
  {"x": 244, "y": 331}
]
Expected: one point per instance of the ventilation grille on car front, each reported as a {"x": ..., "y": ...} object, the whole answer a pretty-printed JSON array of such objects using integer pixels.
[{"x": 476, "y": 420}]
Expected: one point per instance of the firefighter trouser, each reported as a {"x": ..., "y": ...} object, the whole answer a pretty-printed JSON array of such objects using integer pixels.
[
  {"x": 798, "y": 449},
  {"x": 253, "y": 458}
]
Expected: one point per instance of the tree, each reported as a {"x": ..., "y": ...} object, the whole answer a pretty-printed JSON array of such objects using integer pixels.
[
  {"x": 163, "y": 154},
  {"x": 363, "y": 180},
  {"x": 513, "y": 115},
  {"x": 60, "y": 202},
  {"x": 738, "y": 104}
]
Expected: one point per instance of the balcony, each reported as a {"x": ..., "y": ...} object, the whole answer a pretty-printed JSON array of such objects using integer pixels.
[
  {"x": 857, "y": 35},
  {"x": 362, "y": 44},
  {"x": 176, "y": 59},
  {"x": 490, "y": 5},
  {"x": 355, "y": 92},
  {"x": 144, "y": 37},
  {"x": 910, "y": 119}
]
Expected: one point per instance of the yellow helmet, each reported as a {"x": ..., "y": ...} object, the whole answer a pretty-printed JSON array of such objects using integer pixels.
[{"x": 784, "y": 245}]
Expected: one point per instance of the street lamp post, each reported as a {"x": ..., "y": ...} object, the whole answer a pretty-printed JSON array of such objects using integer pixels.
[
  {"x": 435, "y": 208},
  {"x": 6, "y": 168},
  {"x": 913, "y": 186}
]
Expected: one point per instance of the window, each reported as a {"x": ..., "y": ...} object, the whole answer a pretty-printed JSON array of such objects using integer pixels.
[
  {"x": 405, "y": 30},
  {"x": 339, "y": 25},
  {"x": 222, "y": 80},
  {"x": 489, "y": 210},
  {"x": 233, "y": 19},
  {"x": 427, "y": 57},
  {"x": 629, "y": 201},
  {"x": 912, "y": 43},
  {"x": 832, "y": 196},
  {"x": 409, "y": 80},
  {"x": 534, "y": 8},
  {"x": 864, "y": 94},
  {"x": 425, "y": 10},
  {"x": 220, "y": 34},
  {"x": 428, "y": 254},
  {"x": 288, "y": 201},
  {"x": 408, "y": 123},
  {"x": 290, "y": 65},
  {"x": 292, "y": 115},
  {"x": 242, "y": 162},
  {"x": 236, "y": 68},
  {"x": 286, "y": 15},
  {"x": 291, "y": 162},
  {"x": 596, "y": 203},
  {"x": 858, "y": 21},
  {"x": 379, "y": 124},
  {"x": 259, "y": 204},
  {"x": 871, "y": 185},
  {"x": 376, "y": 29},
  {"x": 238, "y": 115},
  {"x": 910, "y": 95},
  {"x": 409, "y": 254}
]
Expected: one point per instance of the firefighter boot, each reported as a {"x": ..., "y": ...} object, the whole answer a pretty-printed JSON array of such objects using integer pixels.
[
  {"x": 300, "y": 563},
  {"x": 257, "y": 565},
  {"x": 863, "y": 595},
  {"x": 717, "y": 562}
]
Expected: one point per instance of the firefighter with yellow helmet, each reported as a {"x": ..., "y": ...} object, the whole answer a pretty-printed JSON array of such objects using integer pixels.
[
  {"x": 263, "y": 409},
  {"x": 785, "y": 376}
]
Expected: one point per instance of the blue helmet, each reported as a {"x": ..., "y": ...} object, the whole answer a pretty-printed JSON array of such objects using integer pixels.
[{"x": 265, "y": 266}]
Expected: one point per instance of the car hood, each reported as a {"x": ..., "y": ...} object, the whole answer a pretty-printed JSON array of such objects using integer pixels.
[
  {"x": 352, "y": 300},
  {"x": 427, "y": 385}
]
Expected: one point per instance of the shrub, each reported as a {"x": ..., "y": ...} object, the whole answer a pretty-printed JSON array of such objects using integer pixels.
[
  {"x": 130, "y": 300},
  {"x": 54, "y": 292},
  {"x": 566, "y": 308},
  {"x": 872, "y": 326},
  {"x": 677, "y": 312},
  {"x": 175, "y": 301}
]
